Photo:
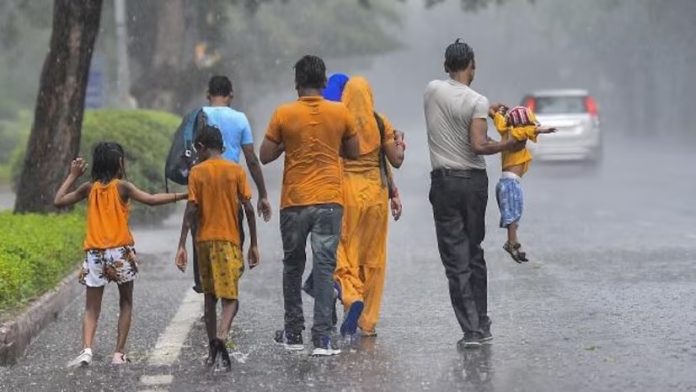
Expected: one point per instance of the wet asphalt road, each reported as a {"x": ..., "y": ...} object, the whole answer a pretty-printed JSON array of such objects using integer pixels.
[{"x": 607, "y": 303}]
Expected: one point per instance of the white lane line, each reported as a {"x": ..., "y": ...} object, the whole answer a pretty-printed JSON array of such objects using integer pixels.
[
  {"x": 171, "y": 341},
  {"x": 169, "y": 344},
  {"x": 157, "y": 380}
]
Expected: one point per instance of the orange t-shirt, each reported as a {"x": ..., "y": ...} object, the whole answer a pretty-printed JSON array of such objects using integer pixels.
[
  {"x": 217, "y": 185},
  {"x": 107, "y": 218},
  {"x": 312, "y": 130}
]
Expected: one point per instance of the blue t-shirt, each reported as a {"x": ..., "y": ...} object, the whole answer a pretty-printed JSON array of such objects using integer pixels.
[{"x": 235, "y": 129}]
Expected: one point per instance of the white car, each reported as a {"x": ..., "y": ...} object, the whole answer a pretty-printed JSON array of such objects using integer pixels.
[{"x": 575, "y": 115}]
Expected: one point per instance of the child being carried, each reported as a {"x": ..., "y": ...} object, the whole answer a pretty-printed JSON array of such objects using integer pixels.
[{"x": 518, "y": 123}]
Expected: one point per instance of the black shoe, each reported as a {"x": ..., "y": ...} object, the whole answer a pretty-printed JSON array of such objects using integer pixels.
[
  {"x": 198, "y": 289},
  {"x": 470, "y": 340},
  {"x": 291, "y": 341}
]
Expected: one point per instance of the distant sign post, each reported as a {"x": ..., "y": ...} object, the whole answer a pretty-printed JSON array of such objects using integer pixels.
[{"x": 94, "y": 98}]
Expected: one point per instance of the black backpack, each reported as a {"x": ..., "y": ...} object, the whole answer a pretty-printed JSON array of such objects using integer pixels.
[{"x": 182, "y": 155}]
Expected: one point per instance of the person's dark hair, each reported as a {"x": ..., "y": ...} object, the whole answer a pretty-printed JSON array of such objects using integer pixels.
[
  {"x": 210, "y": 137},
  {"x": 107, "y": 162},
  {"x": 219, "y": 86},
  {"x": 458, "y": 56},
  {"x": 310, "y": 72}
]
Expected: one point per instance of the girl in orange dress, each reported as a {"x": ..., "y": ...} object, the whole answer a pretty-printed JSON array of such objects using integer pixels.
[{"x": 110, "y": 256}]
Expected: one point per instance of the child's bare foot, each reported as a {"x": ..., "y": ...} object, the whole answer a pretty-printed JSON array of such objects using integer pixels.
[{"x": 515, "y": 251}]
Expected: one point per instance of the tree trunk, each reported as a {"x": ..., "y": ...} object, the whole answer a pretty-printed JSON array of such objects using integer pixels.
[
  {"x": 55, "y": 135},
  {"x": 157, "y": 86}
]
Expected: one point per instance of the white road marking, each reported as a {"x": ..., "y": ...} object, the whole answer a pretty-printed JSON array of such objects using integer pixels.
[
  {"x": 169, "y": 344},
  {"x": 157, "y": 380},
  {"x": 171, "y": 341}
]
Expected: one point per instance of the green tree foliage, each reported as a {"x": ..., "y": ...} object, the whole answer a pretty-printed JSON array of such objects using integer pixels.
[
  {"x": 250, "y": 40},
  {"x": 25, "y": 27}
]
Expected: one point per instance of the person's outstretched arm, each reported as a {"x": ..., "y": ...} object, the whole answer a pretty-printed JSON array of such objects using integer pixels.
[
  {"x": 63, "y": 197},
  {"x": 252, "y": 161},
  {"x": 189, "y": 217},
  {"x": 130, "y": 191}
]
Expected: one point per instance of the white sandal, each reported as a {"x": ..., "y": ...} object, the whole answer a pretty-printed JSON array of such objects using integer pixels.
[{"x": 120, "y": 359}]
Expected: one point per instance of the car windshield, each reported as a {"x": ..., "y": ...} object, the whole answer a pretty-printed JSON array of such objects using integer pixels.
[{"x": 560, "y": 105}]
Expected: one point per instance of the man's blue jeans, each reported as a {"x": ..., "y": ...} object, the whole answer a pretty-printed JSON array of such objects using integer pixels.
[{"x": 323, "y": 222}]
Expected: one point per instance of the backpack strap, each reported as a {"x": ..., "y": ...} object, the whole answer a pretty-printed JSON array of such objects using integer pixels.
[
  {"x": 195, "y": 120},
  {"x": 384, "y": 167}
]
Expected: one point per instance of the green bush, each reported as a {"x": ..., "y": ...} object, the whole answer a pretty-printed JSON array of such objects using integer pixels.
[
  {"x": 145, "y": 136},
  {"x": 36, "y": 251}
]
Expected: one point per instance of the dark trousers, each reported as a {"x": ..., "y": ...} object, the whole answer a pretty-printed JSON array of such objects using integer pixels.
[
  {"x": 194, "y": 231},
  {"x": 459, "y": 201},
  {"x": 323, "y": 223}
]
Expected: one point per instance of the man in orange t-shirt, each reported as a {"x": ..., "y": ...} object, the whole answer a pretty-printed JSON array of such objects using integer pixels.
[{"x": 313, "y": 133}]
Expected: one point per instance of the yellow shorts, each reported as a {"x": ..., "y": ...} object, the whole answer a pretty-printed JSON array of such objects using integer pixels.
[{"x": 220, "y": 265}]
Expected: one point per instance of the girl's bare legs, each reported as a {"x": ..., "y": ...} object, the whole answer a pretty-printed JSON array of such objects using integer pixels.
[
  {"x": 125, "y": 303},
  {"x": 229, "y": 310},
  {"x": 93, "y": 301}
]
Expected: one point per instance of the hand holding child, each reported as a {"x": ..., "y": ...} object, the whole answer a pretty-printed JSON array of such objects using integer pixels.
[
  {"x": 253, "y": 257},
  {"x": 181, "y": 259},
  {"x": 399, "y": 139},
  {"x": 78, "y": 167},
  {"x": 497, "y": 108}
]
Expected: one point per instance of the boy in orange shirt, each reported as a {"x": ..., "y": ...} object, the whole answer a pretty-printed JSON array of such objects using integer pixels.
[
  {"x": 216, "y": 186},
  {"x": 518, "y": 123}
]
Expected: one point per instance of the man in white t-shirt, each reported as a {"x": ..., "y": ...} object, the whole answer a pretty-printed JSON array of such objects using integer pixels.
[{"x": 456, "y": 119}]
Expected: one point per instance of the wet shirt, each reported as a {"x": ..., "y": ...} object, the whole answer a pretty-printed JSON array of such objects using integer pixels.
[
  {"x": 217, "y": 185},
  {"x": 449, "y": 108},
  {"x": 514, "y": 158},
  {"x": 107, "y": 218},
  {"x": 312, "y": 131},
  {"x": 234, "y": 126}
]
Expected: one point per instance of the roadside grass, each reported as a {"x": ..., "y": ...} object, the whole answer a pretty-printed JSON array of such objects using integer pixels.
[{"x": 36, "y": 252}]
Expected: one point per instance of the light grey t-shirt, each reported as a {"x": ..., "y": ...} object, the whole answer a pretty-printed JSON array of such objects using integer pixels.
[{"x": 449, "y": 108}]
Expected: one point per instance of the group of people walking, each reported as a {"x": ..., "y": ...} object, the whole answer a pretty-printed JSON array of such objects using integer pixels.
[{"x": 337, "y": 191}]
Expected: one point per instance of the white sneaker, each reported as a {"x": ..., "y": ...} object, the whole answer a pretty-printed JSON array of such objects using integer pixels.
[
  {"x": 324, "y": 347},
  {"x": 324, "y": 352},
  {"x": 84, "y": 359}
]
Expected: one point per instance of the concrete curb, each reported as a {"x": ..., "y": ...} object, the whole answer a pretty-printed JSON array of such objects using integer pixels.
[{"x": 16, "y": 335}]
